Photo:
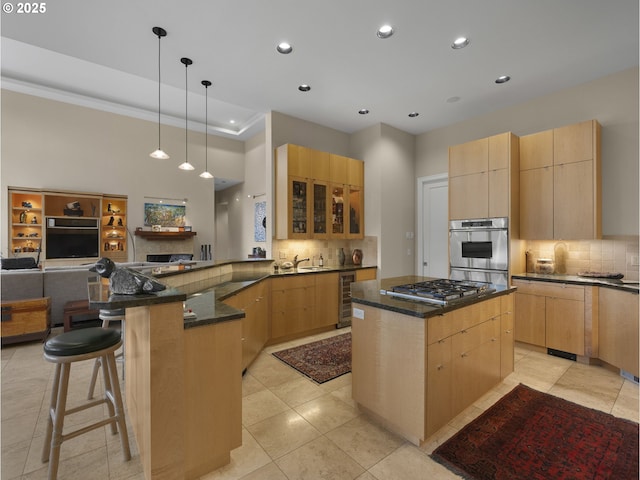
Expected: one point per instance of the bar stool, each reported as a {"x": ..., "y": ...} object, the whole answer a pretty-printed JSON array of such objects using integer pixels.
[
  {"x": 107, "y": 316},
  {"x": 63, "y": 350}
]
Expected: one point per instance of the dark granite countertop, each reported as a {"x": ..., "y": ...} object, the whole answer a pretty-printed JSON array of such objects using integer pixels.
[
  {"x": 625, "y": 285},
  {"x": 303, "y": 269},
  {"x": 206, "y": 297},
  {"x": 368, "y": 293},
  {"x": 178, "y": 268}
]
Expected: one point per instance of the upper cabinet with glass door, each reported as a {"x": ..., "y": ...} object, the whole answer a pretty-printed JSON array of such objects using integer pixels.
[{"x": 315, "y": 197}]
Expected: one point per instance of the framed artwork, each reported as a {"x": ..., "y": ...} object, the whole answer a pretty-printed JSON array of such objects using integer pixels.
[
  {"x": 260, "y": 222},
  {"x": 164, "y": 215}
]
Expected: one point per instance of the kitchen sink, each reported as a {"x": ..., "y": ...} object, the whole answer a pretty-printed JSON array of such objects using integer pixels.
[{"x": 314, "y": 268}]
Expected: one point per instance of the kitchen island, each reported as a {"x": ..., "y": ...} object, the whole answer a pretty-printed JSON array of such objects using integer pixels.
[
  {"x": 183, "y": 373},
  {"x": 415, "y": 365}
]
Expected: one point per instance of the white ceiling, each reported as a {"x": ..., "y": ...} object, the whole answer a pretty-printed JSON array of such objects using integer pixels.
[{"x": 104, "y": 54}]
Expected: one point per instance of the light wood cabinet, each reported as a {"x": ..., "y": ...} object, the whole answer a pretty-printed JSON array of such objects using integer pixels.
[
  {"x": 507, "y": 337},
  {"x": 482, "y": 175},
  {"x": 292, "y": 305},
  {"x": 618, "y": 329},
  {"x": 560, "y": 191},
  {"x": 554, "y": 315},
  {"x": 254, "y": 302},
  {"x": 318, "y": 195},
  {"x": 326, "y": 294},
  {"x": 439, "y": 385}
]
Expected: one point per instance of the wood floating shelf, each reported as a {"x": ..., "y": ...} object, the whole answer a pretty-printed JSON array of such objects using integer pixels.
[{"x": 164, "y": 235}]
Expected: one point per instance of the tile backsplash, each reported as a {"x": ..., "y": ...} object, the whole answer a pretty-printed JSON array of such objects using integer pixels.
[
  {"x": 285, "y": 250},
  {"x": 619, "y": 255}
]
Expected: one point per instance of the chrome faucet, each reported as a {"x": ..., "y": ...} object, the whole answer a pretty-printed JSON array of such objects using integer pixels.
[{"x": 296, "y": 261}]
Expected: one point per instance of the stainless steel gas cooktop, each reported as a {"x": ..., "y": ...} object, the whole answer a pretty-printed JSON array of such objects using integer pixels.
[{"x": 439, "y": 292}]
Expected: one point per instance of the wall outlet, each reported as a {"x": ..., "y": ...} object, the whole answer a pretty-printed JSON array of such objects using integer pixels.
[{"x": 283, "y": 254}]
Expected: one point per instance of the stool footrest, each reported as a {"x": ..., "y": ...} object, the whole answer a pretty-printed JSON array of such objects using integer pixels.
[{"x": 88, "y": 428}]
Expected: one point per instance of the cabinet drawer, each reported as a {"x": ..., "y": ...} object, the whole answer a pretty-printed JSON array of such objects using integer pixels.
[
  {"x": 477, "y": 313},
  {"x": 547, "y": 289},
  {"x": 284, "y": 300},
  {"x": 472, "y": 338},
  {"x": 442, "y": 326},
  {"x": 294, "y": 281}
]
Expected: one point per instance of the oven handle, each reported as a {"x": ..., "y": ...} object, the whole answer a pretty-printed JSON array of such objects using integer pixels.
[{"x": 481, "y": 270}]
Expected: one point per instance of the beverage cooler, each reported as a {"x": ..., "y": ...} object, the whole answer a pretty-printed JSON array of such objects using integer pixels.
[{"x": 344, "y": 299}]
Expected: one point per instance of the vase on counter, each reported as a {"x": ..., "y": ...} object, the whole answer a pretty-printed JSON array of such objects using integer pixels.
[
  {"x": 357, "y": 257},
  {"x": 341, "y": 256}
]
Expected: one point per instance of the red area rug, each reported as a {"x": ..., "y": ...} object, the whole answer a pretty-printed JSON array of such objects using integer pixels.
[
  {"x": 321, "y": 361},
  {"x": 531, "y": 435}
]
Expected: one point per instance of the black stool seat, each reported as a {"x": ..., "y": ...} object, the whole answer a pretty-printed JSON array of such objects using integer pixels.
[
  {"x": 118, "y": 312},
  {"x": 82, "y": 341}
]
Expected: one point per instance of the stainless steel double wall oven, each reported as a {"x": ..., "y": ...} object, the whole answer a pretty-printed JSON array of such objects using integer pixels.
[{"x": 479, "y": 250}]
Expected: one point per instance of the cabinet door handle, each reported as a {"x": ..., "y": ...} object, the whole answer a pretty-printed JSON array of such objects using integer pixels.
[
  {"x": 464, "y": 331},
  {"x": 440, "y": 367},
  {"x": 441, "y": 340},
  {"x": 507, "y": 331},
  {"x": 493, "y": 339},
  {"x": 464, "y": 354}
]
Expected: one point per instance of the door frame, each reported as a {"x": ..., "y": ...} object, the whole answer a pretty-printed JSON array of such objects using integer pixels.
[{"x": 429, "y": 179}]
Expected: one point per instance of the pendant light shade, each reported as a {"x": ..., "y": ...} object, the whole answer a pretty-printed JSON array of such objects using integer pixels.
[
  {"x": 159, "y": 153},
  {"x": 206, "y": 173},
  {"x": 186, "y": 165}
]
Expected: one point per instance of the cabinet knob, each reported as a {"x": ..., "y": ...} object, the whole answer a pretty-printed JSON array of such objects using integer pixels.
[
  {"x": 440, "y": 367},
  {"x": 464, "y": 354},
  {"x": 464, "y": 331},
  {"x": 507, "y": 331}
]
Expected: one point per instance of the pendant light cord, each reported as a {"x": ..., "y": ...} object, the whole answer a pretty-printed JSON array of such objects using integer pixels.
[
  {"x": 159, "y": 37},
  {"x": 206, "y": 122},
  {"x": 186, "y": 116}
]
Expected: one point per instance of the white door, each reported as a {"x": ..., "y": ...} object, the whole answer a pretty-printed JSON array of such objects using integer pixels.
[{"x": 433, "y": 241}]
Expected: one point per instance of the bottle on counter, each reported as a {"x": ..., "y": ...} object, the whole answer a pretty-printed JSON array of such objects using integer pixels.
[{"x": 321, "y": 261}]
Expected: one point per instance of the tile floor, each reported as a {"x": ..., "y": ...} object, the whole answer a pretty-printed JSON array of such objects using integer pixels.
[{"x": 292, "y": 428}]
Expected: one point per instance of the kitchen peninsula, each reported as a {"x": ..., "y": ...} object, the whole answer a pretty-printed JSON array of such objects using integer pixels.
[
  {"x": 183, "y": 378},
  {"x": 416, "y": 365}
]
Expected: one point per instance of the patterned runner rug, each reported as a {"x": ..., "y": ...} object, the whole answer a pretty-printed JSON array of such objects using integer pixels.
[
  {"x": 529, "y": 435},
  {"x": 321, "y": 361}
]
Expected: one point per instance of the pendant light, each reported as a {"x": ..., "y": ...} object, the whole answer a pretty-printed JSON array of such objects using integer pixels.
[
  {"x": 186, "y": 165},
  {"x": 159, "y": 153},
  {"x": 206, "y": 173}
]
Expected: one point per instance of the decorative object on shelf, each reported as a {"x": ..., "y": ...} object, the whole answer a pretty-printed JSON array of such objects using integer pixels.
[
  {"x": 27, "y": 205},
  {"x": 72, "y": 209},
  {"x": 341, "y": 257},
  {"x": 23, "y": 217},
  {"x": 120, "y": 223},
  {"x": 187, "y": 228},
  {"x": 111, "y": 220},
  {"x": 125, "y": 281},
  {"x": 186, "y": 165},
  {"x": 357, "y": 257},
  {"x": 159, "y": 153},
  {"x": 34, "y": 220},
  {"x": 156, "y": 228},
  {"x": 206, "y": 173}
]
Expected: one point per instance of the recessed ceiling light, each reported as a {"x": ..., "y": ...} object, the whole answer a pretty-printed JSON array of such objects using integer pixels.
[
  {"x": 284, "y": 48},
  {"x": 232, "y": 122},
  {"x": 363, "y": 111},
  {"x": 304, "y": 87},
  {"x": 414, "y": 114},
  {"x": 385, "y": 31},
  {"x": 460, "y": 42},
  {"x": 453, "y": 99},
  {"x": 503, "y": 79}
]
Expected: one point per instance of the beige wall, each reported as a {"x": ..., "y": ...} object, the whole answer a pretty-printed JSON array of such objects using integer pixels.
[
  {"x": 53, "y": 145},
  {"x": 612, "y": 100}
]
